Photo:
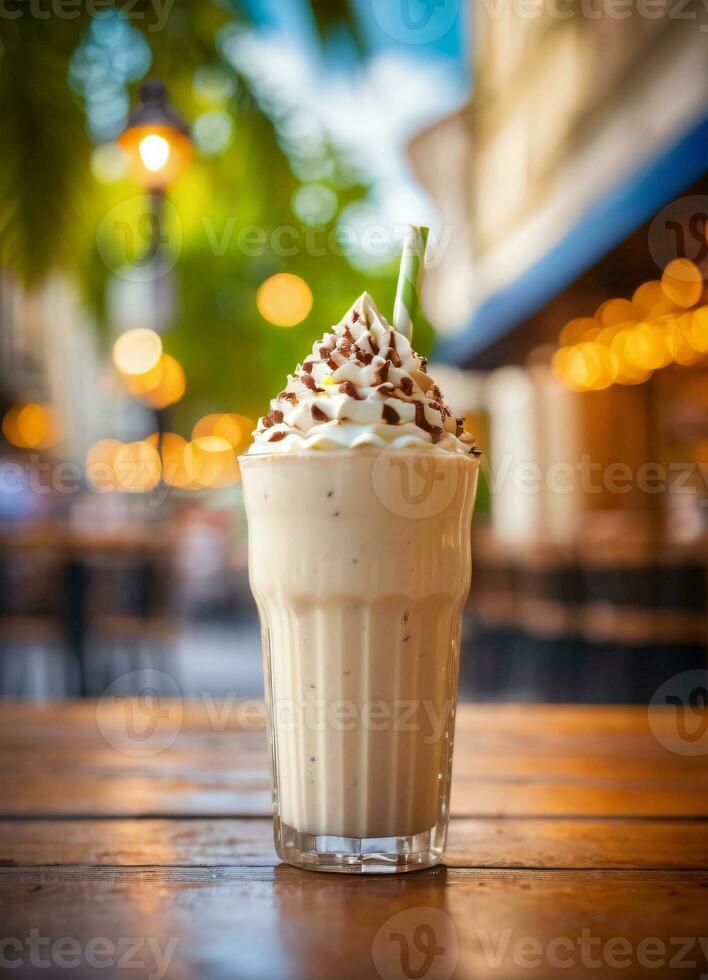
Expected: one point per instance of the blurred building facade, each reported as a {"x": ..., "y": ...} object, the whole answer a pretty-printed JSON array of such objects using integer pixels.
[{"x": 578, "y": 170}]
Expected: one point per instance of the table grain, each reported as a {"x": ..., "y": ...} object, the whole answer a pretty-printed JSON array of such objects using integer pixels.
[{"x": 578, "y": 847}]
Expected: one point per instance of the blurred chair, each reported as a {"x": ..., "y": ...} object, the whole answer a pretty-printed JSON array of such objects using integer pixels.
[
  {"x": 35, "y": 658},
  {"x": 131, "y": 621}
]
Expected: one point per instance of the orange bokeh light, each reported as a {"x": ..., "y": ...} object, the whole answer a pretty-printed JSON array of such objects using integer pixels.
[
  {"x": 211, "y": 462},
  {"x": 164, "y": 384},
  {"x": 284, "y": 300},
  {"x": 137, "y": 351},
  {"x": 235, "y": 429},
  {"x": 682, "y": 283},
  {"x": 30, "y": 426}
]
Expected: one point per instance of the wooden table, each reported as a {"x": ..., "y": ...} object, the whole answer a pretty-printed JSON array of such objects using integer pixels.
[{"x": 577, "y": 848}]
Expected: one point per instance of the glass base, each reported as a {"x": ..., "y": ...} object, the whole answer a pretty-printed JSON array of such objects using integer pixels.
[{"x": 355, "y": 855}]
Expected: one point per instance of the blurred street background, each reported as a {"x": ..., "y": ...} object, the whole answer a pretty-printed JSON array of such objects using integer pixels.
[{"x": 192, "y": 193}]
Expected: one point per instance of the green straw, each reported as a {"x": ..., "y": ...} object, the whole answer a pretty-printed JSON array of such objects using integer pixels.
[{"x": 410, "y": 280}]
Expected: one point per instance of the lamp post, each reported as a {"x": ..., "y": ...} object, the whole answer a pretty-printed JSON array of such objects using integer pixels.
[{"x": 158, "y": 148}]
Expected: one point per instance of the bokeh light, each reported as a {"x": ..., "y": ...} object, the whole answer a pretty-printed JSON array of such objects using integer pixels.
[
  {"x": 646, "y": 348},
  {"x": 235, "y": 429},
  {"x": 284, "y": 300},
  {"x": 697, "y": 329},
  {"x": 30, "y": 426},
  {"x": 99, "y": 464},
  {"x": 614, "y": 312},
  {"x": 211, "y": 462},
  {"x": 625, "y": 342},
  {"x": 682, "y": 283},
  {"x": 174, "y": 470},
  {"x": 578, "y": 330},
  {"x": 137, "y": 351},
  {"x": 213, "y": 132},
  {"x": 315, "y": 204},
  {"x": 137, "y": 467},
  {"x": 166, "y": 385}
]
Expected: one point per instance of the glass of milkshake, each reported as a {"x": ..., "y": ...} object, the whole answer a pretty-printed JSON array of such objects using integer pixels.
[{"x": 359, "y": 491}]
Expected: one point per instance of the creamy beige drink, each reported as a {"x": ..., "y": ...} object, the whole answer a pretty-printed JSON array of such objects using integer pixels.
[{"x": 359, "y": 491}]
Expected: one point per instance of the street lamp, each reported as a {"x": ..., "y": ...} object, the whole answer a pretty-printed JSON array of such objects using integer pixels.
[
  {"x": 158, "y": 148},
  {"x": 156, "y": 139}
]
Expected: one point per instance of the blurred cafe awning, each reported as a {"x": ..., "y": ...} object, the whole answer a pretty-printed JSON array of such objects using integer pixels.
[{"x": 570, "y": 143}]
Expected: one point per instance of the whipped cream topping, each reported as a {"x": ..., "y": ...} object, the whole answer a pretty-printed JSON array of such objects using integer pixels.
[{"x": 362, "y": 386}]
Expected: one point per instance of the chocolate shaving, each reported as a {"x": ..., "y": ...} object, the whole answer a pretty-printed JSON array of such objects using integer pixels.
[
  {"x": 349, "y": 336},
  {"x": 422, "y": 422},
  {"x": 308, "y": 366},
  {"x": 393, "y": 357},
  {"x": 406, "y": 386},
  {"x": 287, "y": 396},
  {"x": 386, "y": 390},
  {"x": 372, "y": 343},
  {"x": 347, "y": 388},
  {"x": 272, "y": 418},
  {"x": 277, "y": 436},
  {"x": 318, "y": 415},
  {"x": 355, "y": 316},
  {"x": 309, "y": 382},
  {"x": 390, "y": 415},
  {"x": 382, "y": 372},
  {"x": 336, "y": 360}
]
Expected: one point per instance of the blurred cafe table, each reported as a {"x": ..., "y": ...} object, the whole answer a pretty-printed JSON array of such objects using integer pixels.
[
  {"x": 138, "y": 844},
  {"x": 70, "y": 575}
]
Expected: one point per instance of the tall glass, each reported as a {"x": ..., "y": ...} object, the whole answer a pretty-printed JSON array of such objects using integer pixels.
[{"x": 360, "y": 566}]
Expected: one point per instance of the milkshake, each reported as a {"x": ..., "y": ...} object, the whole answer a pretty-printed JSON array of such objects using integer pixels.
[{"x": 359, "y": 490}]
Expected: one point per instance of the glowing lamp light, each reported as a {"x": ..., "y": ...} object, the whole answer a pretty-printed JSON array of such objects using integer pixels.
[
  {"x": 284, "y": 300},
  {"x": 156, "y": 140},
  {"x": 154, "y": 151},
  {"x": 137, "y": 351}
]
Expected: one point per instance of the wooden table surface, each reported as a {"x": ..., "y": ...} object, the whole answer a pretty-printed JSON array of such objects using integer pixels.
[{"x": 137, "y": 843}]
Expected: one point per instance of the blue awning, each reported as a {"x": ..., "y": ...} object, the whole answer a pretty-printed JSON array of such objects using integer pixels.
[{"x": 603, "y": 226}]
